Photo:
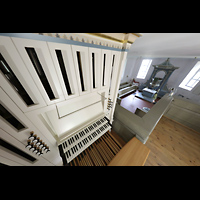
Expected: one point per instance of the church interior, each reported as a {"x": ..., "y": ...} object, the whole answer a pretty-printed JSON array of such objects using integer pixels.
[{"x": 99, "y": 99}]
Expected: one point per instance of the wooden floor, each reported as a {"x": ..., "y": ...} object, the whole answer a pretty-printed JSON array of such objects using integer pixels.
[{"x": 173, "y": 144}]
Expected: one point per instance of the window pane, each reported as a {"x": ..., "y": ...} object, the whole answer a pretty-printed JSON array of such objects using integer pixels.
[
  {"x": 144, "y": 68},
  {"x": 197, "y": 76},
  {"x": 191, "y": 83},
  {"x": 188, "y": 82}
]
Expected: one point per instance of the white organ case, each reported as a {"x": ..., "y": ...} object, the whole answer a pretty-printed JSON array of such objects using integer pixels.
[{"x": 69, "y": 85}]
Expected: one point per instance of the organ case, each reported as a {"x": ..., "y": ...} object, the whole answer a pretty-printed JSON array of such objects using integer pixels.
[{"x": 70, "y": 83}]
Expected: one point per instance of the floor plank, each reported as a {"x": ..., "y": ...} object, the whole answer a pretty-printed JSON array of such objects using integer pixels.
[{"x": 173, "y": 144}]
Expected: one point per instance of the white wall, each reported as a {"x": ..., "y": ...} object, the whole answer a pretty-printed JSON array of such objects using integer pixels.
[{"x": 184, "y": 64}]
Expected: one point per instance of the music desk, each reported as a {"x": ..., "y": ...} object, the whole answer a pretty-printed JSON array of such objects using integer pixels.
[{"x": 134, "y": 153}]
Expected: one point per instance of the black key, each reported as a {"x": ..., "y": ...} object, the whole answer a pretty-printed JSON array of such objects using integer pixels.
[
  {"x": 67, "y": 154},
  {"x": 72, "y": 150},
  {"x": 94, "y": 125},
  {"x": 65, "y": 143},
  {"x": 89, "y": 137},
  {"x": 81, "y": 144},
  {"x": 76, "y": 147},
  {"x": 69, "y": 142}
]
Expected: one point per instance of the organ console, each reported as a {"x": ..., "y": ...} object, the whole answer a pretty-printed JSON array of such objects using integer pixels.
[
  {"x": 74, "y": 145},
  {"x": 70, "y": 83}
]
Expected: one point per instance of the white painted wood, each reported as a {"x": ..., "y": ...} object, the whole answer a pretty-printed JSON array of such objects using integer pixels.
[
  {"x": 86, "y": 71},
  {"x": 23, "y": 134},
  {"x": 97, "y": 68},
  {"x": 40, "y": 160},
  {"x": 123, "y": 56},
  {"x": 113, "y": 81},
  {"x": 114, "y": 71},
  {"x": 185, "y": 112},
  {"x": 12, "y": 57},
  {"x": 70, "y": 123},
  {"x": 45, "y": 59},
  {"x": 8, "y": 162},
  {"x": 107, "y": 68},
  {"x": 55, "y": 120},
  {"x": 143, "y": 126},
  {"x": 69, "y": 66},
  {"x": 65, "y": 108}
]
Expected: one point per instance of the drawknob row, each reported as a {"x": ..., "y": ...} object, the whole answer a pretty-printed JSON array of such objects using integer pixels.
[
  {"x": 110, "y": 104},
  {"x": 35, "y": 144}
]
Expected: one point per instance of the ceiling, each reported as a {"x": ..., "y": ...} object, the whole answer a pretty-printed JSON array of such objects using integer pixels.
[{"x": 180, "y": 45}]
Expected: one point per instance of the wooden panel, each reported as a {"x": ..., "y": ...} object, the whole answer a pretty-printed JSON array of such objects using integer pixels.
[
  {"x": 134, "y": 153},
  {"x": 95, "y": 68},
  {"x": 82, "y": 67},
  {"x": 12, "y": 57},
  {"x": 106, "y": 68},
  {"x": 69, "y": 66},
  {"x": 131, "y": 103},
  {"x": 46, "y": 62}
]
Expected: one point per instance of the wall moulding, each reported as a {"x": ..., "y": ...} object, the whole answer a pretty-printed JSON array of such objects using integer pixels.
[{"x": 115, "y": 40}]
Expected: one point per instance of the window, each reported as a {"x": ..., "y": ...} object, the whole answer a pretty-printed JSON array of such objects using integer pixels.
[
  {"x": 192, "y": 78},
  {"x": 144, "y": 68}
]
